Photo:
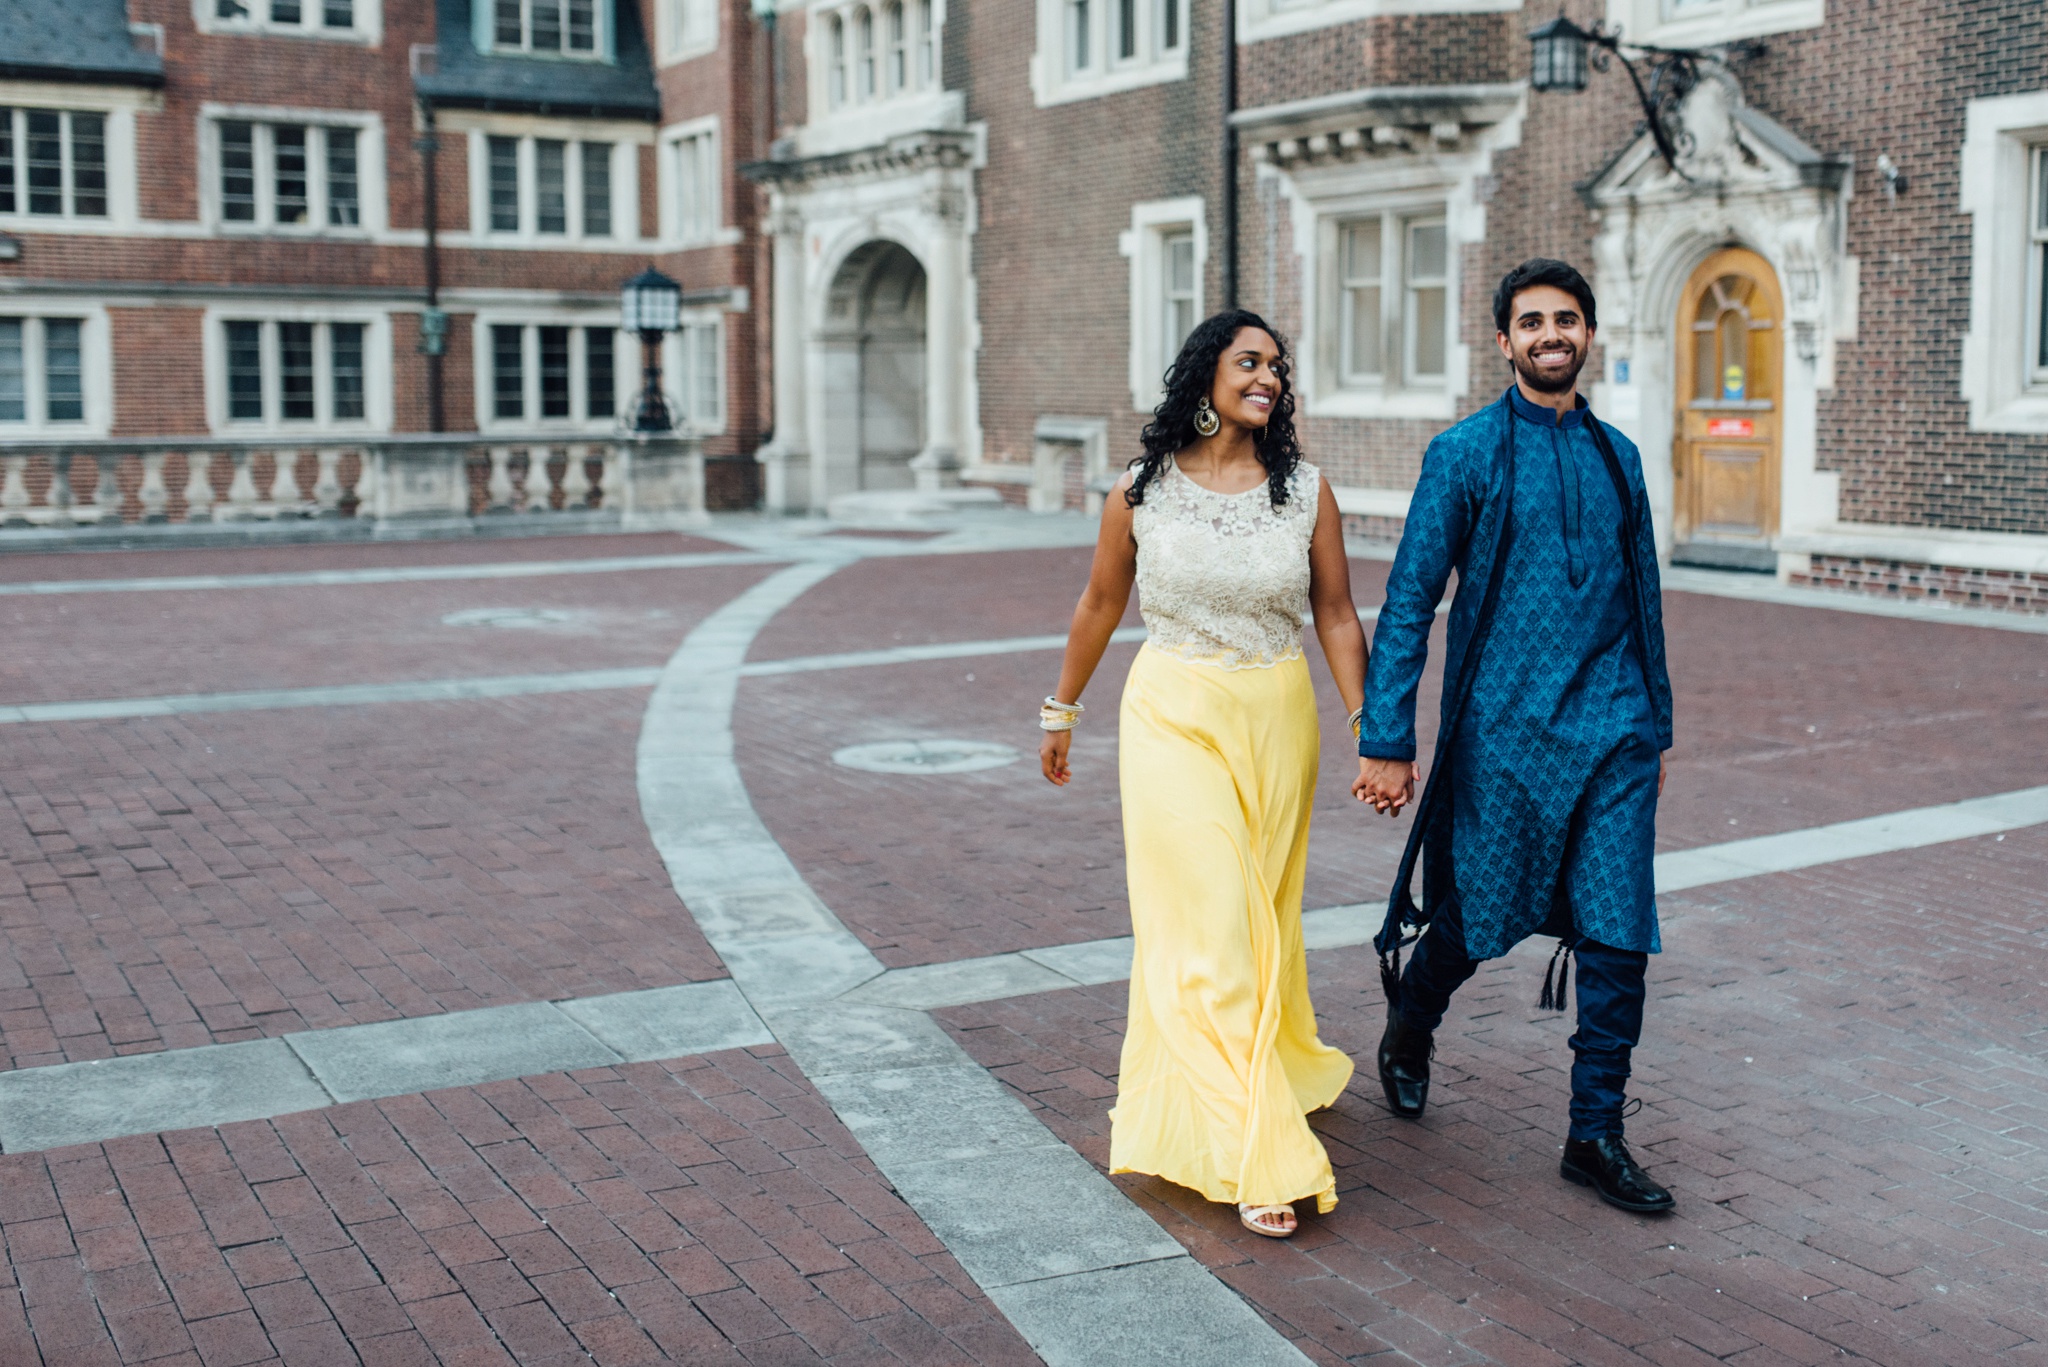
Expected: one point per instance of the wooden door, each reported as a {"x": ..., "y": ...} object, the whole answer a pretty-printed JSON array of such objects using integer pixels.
[{"x": 1730, "y": 400}]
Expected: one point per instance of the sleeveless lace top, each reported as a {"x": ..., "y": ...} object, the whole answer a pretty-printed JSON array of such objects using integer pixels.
[{"x": 1223, "y": 578}]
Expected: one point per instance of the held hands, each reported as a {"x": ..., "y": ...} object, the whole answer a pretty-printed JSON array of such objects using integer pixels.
[
  {"x": 1388, "y": 784},
  {"x": 1052, "y": 757}
]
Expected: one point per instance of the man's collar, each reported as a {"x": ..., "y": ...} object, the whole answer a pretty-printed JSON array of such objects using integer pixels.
[{"x": 1547, "y": 417}]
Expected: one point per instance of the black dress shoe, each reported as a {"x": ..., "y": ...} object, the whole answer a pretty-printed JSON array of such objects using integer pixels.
[
  {"x": 1404, "y": 1066},
  {"x": 1604, "y": 1165}
]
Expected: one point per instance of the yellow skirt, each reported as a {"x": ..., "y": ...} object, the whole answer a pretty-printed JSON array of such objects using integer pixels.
[{"x": 1221, "y": 1063}]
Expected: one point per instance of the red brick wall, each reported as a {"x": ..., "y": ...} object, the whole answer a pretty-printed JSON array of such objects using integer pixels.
[
  {"x": 158, "y": 385},
  {"x": 1054, "y": 292}
]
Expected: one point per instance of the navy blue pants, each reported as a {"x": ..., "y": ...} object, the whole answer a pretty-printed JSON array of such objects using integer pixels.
[{"x": 1610, "y": 999}]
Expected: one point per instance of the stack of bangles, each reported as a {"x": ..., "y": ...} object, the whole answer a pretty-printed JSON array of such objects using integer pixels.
[
  {"x": 1055, "y": 715},
  {"x": 1353, "y": 721}
]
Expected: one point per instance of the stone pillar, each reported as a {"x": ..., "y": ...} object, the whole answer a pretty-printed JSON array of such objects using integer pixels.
[
  {"x": 785, "y": 461},
  {"x": 945, "y": 332}
]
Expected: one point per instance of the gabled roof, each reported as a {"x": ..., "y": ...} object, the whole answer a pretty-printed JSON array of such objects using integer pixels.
[
  {"x": 1635, "y": 163},
  {"x": 73, "y": 40},
  {"x": 468, "y": 79}
]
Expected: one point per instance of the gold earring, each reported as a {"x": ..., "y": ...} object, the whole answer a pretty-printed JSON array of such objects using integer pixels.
[{"x": 1207, "y": 421}]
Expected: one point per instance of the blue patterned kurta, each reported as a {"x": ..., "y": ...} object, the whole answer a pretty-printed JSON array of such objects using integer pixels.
[{"x": 1552, "y": 770}]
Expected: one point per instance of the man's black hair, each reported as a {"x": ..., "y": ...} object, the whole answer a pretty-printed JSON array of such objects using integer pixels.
[{"x": 1541, "y": 270}]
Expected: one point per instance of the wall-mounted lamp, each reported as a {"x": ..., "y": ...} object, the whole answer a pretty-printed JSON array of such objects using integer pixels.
[{"x": 1894, "y": 179}]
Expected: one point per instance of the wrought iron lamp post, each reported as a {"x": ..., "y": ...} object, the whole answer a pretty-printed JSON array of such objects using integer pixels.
[
  {"x": 1561, "y": 52},
  {"x": 651, "y": 304}
]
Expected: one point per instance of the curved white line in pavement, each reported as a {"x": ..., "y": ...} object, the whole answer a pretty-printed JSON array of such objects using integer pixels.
[{"x": 1082, "y": 1273}]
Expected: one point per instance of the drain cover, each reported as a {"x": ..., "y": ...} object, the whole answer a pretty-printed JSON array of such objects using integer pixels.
[
  {"x": 512, "y": 619},
  {"x": 926, "y": 756}
]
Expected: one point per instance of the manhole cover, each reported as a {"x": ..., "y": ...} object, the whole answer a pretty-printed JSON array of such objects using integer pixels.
[
  {"x": 926, "y": 756},
  {"x": 512, "y": 619}
]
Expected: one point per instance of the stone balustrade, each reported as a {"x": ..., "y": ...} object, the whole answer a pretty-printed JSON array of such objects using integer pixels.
[{"x": 387, "y": 482}]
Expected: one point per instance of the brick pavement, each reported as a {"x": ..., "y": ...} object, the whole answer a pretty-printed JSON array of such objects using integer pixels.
[
  {"x": 708, "y": 1211},
  {"x": 158, "y": 559},
  {"x": 1843, "y": 1085},
  {"x": 121, "y": 645},
  {"x": 204, "y": 879}
]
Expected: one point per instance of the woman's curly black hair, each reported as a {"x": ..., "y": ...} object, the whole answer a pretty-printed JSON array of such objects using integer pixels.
[{"x": 1189, "y": 380}]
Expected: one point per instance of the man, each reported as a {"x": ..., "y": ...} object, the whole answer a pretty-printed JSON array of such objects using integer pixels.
[{"x": 1540, "y": 811}]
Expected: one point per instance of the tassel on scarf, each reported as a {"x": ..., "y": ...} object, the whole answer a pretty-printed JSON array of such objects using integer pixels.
[
  {"x": 1390, "y": 978},
  {"x": 1553, "y": 999}
]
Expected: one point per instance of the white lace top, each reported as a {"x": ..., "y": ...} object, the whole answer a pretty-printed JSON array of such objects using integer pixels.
[{"x": 1223, "y": 578}]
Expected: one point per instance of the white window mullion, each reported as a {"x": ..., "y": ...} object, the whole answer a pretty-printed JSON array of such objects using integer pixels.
[
  {"x": 36, "y": 380},
  {"x": 323, "y": 374},
  {"x": 273, "y": 383},
  {"x": 316, "y": 171},
  {"x": 529, "y": 371},
  {"x": 579, "y": 400}
]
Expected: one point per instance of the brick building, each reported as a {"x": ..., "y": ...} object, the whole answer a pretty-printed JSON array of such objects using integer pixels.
[
  {"x": 928, "y": 244},
  {"x": 228, "y": 219},
  {"x": 1823, "y": 324}
]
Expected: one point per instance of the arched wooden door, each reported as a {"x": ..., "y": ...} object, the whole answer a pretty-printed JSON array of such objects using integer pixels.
[{"x": 1731, "y": 352}]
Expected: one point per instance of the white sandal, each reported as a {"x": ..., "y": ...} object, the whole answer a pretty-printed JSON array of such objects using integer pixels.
[{"x": 1253, "y": 1218}]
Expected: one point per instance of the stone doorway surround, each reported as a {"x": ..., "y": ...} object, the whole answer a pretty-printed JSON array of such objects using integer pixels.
[
  {"x": 1743, "y": 180},
  {"x": 913, "y": 190}
]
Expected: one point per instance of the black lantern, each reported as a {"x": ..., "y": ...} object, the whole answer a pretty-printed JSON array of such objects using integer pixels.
[
  {"x": 1557, "y": 56},
  {"x": 1561, "y": 52},
  {"x": 651, "y": 304}
]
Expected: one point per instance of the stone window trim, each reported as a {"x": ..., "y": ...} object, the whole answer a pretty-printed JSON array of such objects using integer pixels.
[
  {"x": 551, "y": 30},
  {"x": 692, "y": 183},
  {"x": 216, "y": 127},
  {"x": 537, "y": 357},
  {"x": 1155, "y": 224},
  {"x": 1710, "y": 23},
  {"x": 271, "y": 320},
  {"x": 54, "y": 165},
  {"x": 95, "y": 364},
  {"x": 118, "y": 105},
  {"x": 624, "y": 138},
  {"x": 270, "y": 17},
  {"x": 1411, "y": 151},
  {"x": 1260, "y": 20},
  {"x": 686, "y": 29},
  {"x": 872, "y": 52},
  {"x": 693, "y": 361},
  {"x": 2006, "y": 387},
  {"x": 1091, "y": 48}
]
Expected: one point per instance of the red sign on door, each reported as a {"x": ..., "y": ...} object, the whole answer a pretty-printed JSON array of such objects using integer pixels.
[{"x": 1730, "y": 427}]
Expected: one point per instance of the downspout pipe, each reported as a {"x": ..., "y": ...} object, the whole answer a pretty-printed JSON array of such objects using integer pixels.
[
  {"x": 433, "y": 322},
  {"x": 1229, "y": 193}
]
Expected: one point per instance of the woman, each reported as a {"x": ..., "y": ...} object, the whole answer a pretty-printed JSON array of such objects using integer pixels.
[{"x": 1226, "y": 532}]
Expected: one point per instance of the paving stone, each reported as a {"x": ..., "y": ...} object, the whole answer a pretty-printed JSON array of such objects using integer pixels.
[{"x": 389, "y": 1291}]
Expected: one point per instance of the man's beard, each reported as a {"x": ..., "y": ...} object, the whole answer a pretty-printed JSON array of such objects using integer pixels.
[{"x": 1552, "y": 382}]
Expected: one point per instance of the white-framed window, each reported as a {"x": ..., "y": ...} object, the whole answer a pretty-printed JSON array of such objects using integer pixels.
[
  {"x": 1704, "y": 23},
  {"x": 867, "y": 53},
  {"x": 2037, "y": 271},
  {"x": 694, "y": 359},
  {"x": 357, "y": 20},
  {"x": 53, "y": 163},
  {"x": 555, "y": 374},
  {"x": 548, "y": 189},
  {"x": 2004, "y": 190},
  {"x": 1167, "y": 245},
  {"x": 1388, "y": 298},
  {"x": 694, "y": 182},
  {"x": 54, "y": 369},
  {"x": 688, "y": 28},
  {"x": 1089, "y": 48},
  {"x": 287, "y": 370},
  {"x": 566, "y": 28},
  {"x": 289, "y": 175}
]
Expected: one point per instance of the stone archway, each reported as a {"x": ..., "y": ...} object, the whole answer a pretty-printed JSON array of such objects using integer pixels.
[{"x": 873, "y": 344}]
